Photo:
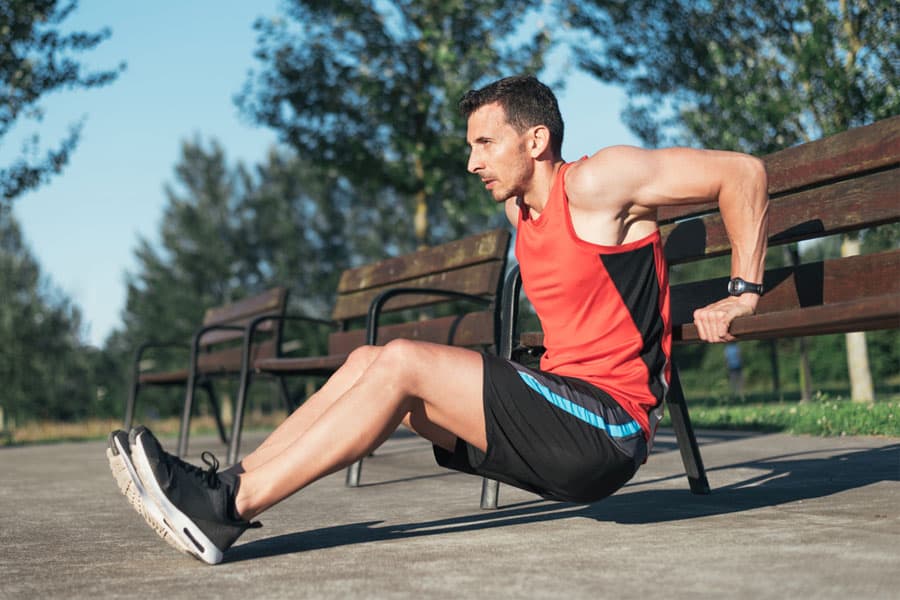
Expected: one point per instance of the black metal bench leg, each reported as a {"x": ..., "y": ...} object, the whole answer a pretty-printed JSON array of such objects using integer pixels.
[
  {"x": 289, "y": 404},
  {"x": 684, "y": 434},
  {"x": 133, "y": 392},
  {"x": 214, "y": 401},
  {"x": 129, "y": 406},
  {"x": 490, "y": 493},
  {"x": 237, "y": 421},
  {"x": 353, "y": 472},
  {"x": 186, "y": 412}
]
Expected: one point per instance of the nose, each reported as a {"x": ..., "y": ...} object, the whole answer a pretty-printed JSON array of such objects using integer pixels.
[{"x": 475, "y": 164}]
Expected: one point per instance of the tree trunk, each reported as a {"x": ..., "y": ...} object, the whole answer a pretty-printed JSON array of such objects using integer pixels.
[
  {"x": 857, "y": 355},
  {"x": 776, "y": 377},
  {"x": 420, "y": 220},
  {"x": 792, "y": 256}
]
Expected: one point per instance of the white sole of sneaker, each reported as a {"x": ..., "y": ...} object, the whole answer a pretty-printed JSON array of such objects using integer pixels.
[
  {"x": 187, "y": 531},
  {"x": 133, "y": 489}
]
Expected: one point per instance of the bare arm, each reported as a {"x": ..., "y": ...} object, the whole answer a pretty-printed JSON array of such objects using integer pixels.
[{"x": 635, "y": 182}]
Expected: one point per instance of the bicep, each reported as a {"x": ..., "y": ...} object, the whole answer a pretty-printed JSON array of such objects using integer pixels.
[{"x": 691, "y": 176}]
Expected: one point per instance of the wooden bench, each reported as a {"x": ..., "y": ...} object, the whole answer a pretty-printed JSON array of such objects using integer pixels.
[
  {"x": 446, "y": 294},
  {"x": 842, "y": 183},
  {"x": 215, "y": 351}
]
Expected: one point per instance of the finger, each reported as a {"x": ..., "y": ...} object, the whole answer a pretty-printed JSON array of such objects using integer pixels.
[{"x": 700, "y": 324}]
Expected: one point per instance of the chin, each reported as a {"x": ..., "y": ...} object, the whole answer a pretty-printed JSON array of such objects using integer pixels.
[{"x": 500, "y": 196}]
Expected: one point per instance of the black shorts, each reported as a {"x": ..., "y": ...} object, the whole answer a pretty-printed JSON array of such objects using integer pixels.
[{"x": 559, "y": 437}]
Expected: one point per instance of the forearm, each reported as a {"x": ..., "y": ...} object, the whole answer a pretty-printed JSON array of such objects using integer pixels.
[{"x": 744, "y": 206}]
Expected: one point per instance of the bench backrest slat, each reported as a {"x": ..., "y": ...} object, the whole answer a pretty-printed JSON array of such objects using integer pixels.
[
  {"x": 812, "y": 284},
  {"x": 852, "y": 204},
  {"x": 469, "y": 330},
  {"x": 473, "y": 265},
  {"x": 241, "y": 312},
  {"x": 851, "y": 153},
  {"x": 863, "y": 314},
  {"x": 472, "y": 250}
]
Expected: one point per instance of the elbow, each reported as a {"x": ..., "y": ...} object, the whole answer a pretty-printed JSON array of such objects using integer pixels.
[{"x": 757, "y": 175}]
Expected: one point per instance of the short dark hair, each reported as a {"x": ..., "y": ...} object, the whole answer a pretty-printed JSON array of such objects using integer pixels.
[{"x": 527, "y": 103}]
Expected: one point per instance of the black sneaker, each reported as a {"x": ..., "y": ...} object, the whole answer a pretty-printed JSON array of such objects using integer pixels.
[
  {"x": 198, "y": 505},
  {"x": 119, "y": 455}
]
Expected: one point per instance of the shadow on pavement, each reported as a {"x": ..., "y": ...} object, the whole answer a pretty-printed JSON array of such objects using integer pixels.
[{"x": 783, "y": 479}]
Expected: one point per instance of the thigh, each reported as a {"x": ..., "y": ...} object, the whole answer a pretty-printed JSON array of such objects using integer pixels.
[{"x": 443, "y": 386}]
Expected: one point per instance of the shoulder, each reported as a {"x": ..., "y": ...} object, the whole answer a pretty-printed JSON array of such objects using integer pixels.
[{"x": 604, "y": 175}]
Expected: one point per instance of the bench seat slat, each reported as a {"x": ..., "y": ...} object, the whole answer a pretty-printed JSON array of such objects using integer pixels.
[
  {"x": 179, "y": 376},
  {"x": 308, "y": 365}
]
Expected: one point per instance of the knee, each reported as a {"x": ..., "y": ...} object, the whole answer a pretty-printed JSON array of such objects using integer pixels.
[
  {"x": 401, "y": 358},
  {"x": 397, "y": 354},
  {"x": 360, "y": 358}
]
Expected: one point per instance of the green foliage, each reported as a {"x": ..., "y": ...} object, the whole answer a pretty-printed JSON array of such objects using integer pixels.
[
  {"x": 755, "y": 76},
  {"x": 36, "y": 58},
  {"x": 824, "y": 415},
  {"x": 229, "y": 232},
  {"x": 44, "y": 370},
  {"x": 371, "y": 90}
]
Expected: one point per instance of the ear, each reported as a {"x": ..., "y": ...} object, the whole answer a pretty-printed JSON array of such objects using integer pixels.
[{"x": 540, "y": 140}]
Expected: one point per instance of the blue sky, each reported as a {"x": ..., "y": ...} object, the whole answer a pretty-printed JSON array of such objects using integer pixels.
[{"x": 185, "y": 62}]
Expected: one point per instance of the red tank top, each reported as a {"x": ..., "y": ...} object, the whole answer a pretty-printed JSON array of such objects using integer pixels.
[{"x": 604, "y": 309}]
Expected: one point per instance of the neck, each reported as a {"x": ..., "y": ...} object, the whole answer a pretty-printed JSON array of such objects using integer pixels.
[{"x": 535, "y": 198}]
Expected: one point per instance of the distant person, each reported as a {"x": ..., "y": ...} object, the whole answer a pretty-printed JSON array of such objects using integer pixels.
[
  {"x": 592, "y": 265},
  {"x": 735, "y": 369}
]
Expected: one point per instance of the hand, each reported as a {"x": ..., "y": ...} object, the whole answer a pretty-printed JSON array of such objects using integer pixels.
[{"x": 714, "y": 320}]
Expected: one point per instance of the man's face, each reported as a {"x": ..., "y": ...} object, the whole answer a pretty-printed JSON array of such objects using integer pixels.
[{"x": 498, "y": 153}]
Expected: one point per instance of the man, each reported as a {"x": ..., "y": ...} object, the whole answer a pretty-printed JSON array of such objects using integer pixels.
[{"x": 592, "y": 265}]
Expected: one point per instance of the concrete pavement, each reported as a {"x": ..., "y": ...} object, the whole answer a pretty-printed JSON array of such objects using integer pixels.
[{"x": 790, "y": 516}]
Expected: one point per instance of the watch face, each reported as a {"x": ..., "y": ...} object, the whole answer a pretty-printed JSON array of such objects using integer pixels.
[{"x": 738, "y": 286}]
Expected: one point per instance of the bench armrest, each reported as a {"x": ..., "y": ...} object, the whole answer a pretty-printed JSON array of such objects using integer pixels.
[
  {"x": 253, "y": 325},
  {"x": 379, "y": 301},
  {"x": 153, "y": 344}
]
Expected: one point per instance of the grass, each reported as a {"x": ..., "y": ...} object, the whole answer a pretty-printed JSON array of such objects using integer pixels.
[
  {"x": 823, "y": 416},
  {"x": 40, "y": 432}
]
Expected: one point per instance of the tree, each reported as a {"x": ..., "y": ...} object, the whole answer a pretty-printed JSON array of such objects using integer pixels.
[
  {"x": 35, "y": 60},
  {"x": 229, "y": 232},
  {"x": 43, "y": 371},
  {"x": 754, "y": 76},
  {"x": 371, "y": 89}
]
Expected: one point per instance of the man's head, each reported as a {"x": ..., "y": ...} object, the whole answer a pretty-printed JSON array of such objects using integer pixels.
[
  {"x": 514, "y": 126},
  {"x": 527, "y": 103}
]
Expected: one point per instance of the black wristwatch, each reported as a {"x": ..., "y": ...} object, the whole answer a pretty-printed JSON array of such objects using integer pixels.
[{"x": 738, "y": 286}]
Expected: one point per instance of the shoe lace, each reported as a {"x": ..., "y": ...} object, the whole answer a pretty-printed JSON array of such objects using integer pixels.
[
  {"x": 211, "y": 474},
  {"x": 208, "y": 475}
]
